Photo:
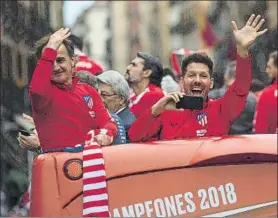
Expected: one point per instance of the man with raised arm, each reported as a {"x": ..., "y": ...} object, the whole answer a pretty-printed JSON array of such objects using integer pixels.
[
  {"x": 166, "y": 122},
  {"x": 64, "y": 109}
]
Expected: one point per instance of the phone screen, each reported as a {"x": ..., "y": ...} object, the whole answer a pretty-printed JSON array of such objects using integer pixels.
[{"x": 191, "y": 102}]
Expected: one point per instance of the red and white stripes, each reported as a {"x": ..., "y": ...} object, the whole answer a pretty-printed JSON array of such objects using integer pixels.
[{"x": 95, "y": 196}]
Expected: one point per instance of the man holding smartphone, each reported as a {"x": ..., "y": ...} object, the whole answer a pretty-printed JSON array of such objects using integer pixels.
[{"x": 215, "y": 118}]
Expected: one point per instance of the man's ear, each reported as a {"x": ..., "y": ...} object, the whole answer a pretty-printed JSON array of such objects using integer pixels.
[
  {"x": 147, "y": 73},
  {"x": 122, "y": 101},
  {"x": 211, "y": 83},
  {"x": 181, "y": 83},
  {"x": 73, "y": 62}
]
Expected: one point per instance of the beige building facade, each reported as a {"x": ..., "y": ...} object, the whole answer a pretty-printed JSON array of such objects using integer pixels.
[
  {"x": 139, "y": 26},
  {"x": 18, "y": 44},
  {"x": 93, "y": 26}
]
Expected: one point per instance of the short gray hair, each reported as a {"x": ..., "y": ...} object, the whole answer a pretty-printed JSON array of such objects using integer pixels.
[{"x": 118, "y": 83}]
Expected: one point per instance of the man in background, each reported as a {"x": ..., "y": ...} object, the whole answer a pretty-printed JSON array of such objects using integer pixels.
[
  {"x": 266, "y": 112},
  {"x": 144, "y": 75},
  {"x": 244, "y": 123},
  {"x": 114, "y": 91}
]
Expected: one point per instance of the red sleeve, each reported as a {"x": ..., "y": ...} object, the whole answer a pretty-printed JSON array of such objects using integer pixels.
[
  {"x": 261, "y": 115},
  {"x": 40, "y": 88},
  {"x": 147, "y": 101},
  {"x": 103, "y": 118},
  {"x": 233, "y": 102},
  {"x": 138, "y": 130}
]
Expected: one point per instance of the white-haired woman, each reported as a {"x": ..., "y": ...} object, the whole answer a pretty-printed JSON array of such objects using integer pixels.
[{"x": 115, "y": 92}]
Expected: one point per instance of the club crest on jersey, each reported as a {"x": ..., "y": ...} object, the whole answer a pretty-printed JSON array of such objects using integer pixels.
[
  {"x": 202, "y": 118},
  {"x": 88, "y": 100}
]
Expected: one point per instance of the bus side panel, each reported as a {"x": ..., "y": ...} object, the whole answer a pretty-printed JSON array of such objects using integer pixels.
[
  {"x": 45, "y": 195},
  {"x": 198, "y": 191},
  {"x": 192, "y": 192}
]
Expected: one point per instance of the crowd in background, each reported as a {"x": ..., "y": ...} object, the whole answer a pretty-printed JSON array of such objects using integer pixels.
[{"x": 146, "y": 74}]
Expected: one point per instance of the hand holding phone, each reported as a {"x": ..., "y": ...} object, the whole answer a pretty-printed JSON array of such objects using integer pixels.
[
  {"x": 190, "y": 102},
  {"x": 177, "y": 101},
  {"x": 28, "y": 140}
]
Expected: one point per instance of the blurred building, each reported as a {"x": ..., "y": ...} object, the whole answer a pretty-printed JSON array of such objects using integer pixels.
[
  {"x": 22, "y": 23},
  {"x": 154, "y": 28},
  {"x": 120, "y": 35},
  {"x": 206, "y": 25},
  {"x": 184, "y": 31},
  {"x": 192, "y": 24},
  {"x": 114, "y": 31},
  {"x": 56, "y": 14},
  {"x": 93, "y": 26},
  {"x": 203, "y": 26},
  {"x": 139, "y": 26}
]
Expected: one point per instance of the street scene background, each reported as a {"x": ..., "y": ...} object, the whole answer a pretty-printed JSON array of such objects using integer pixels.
[{"x": 113, "y": 32}]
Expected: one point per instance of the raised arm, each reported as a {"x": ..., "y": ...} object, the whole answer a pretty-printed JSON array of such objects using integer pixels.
[
  {"x": 40, "y": 88},
  {"x": 235, "y": 97}
]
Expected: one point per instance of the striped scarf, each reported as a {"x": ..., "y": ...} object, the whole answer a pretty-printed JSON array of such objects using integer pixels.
[{"x": 95, "y": 194}]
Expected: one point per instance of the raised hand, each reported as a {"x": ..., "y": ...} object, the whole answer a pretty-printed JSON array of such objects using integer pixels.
[
  {"x": 248, "y": 34},
  {"x": 57, "y": 38},
  {"x": 103, "y": 140}
]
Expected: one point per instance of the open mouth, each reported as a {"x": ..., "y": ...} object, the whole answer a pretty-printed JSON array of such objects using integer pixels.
[
  {"x": 197, "y": 91},
  {"x": 57, "y": 73}
]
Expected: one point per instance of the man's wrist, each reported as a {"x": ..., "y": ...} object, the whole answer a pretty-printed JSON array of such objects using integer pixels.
[
  {"x": 154, "y": 112},
  {"x": 49, "y": 54},
  {"x": 51, "y": 45},
  {"x": 242, "y": 52}
]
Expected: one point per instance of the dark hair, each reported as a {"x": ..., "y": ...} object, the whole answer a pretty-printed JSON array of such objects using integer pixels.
[
  {"x": 257, "y": 85},
  {"x": 153, "y": 64},
  {"x": 197, "y": 58},
  {"x": 41, "y": 43},
  {"x": 76, "y": 41},
  {"x": 274, "y": 56}
]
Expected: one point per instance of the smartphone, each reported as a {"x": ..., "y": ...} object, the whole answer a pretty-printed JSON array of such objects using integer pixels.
[
  {"x": 24, "y": 132},
  {"x": 191, "y": 102}
]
